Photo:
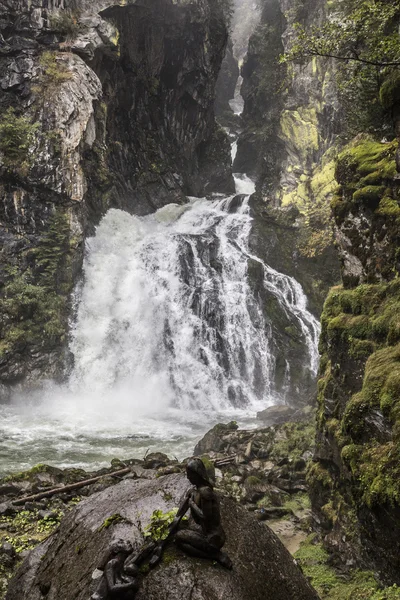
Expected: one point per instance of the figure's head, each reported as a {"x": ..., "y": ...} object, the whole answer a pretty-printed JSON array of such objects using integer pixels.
[
  {"x": 196, "y": 472},
  {"x": 121, "y": 548}
]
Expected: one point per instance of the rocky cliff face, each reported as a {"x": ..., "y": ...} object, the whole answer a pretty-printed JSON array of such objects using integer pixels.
[
  {"x": 104, "y": 105},
  {"x": 290, "y": 124},
  {"x": 355, "y": 479}
]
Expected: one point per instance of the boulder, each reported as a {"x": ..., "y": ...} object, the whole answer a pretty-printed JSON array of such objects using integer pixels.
[
  {"x": 276, "y": 415},
  {"x": 63, "y": 566},
  {"x": 214, "y": 440}
]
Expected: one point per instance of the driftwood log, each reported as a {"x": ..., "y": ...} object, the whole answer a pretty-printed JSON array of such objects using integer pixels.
[{"x": 68, "y": 488}]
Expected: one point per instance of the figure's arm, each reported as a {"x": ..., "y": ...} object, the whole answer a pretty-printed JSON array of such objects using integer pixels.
[
  {"x": 209, "y": 505},
  {"x": 109, "y": 574},
  {"x": 114, "y": 587},
  {"x": 196, "y": 509},
  {"x": 184, "y": 507}
]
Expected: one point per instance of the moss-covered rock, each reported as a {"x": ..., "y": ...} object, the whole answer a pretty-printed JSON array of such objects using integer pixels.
[
  {"x": 366, "y": 209},
  {"x": 356, "y": 478}
]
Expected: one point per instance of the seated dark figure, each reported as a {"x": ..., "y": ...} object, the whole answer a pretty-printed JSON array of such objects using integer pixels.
[
  {"x": 117, "y": 582},
  {"x": 207, "y": 541}
]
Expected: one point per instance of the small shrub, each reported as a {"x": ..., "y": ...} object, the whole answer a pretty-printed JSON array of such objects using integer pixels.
[
  {"x": 158, "y": 528},
  {"x": 17, "y": 135},
  {"x": 54, "y": 72},
  {"x": 66, "y": 22}
]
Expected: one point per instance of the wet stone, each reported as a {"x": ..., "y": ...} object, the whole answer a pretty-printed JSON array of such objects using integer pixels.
[{"x": 7, "y": 510}]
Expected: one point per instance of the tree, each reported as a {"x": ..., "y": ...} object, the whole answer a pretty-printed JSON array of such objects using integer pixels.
[
  {"x": 362, "y": 36},
  {"x": 365, "y": 32}
]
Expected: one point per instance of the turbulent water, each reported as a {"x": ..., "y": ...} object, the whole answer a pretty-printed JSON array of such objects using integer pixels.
[{"x": 168, "y": 340}]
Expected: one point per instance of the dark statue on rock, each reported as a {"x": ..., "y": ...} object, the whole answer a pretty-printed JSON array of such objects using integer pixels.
[
  {"x": 204, "y": 540},
  {"x": 118, "y": 581},
  {"x": 207, "y": 539}
]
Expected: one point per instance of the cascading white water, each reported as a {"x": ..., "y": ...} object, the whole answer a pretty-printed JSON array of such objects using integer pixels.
[
  {"x": 169, "y": 339},
  {"x": 167, "y": 313},
  {"x": 167, "y": 317}
]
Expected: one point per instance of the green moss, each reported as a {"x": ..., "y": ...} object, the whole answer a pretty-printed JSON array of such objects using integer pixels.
[
  {"x": 361, "y": 349},
  {"x": 111, "y": 520},
  {"x": 170, "y": 555},
  {"x": 340, "y": 208},
  {"x": 369, "y": 196},
  {"x": 363, "y": 157},
  {"x": 299, "y": 128},
  {"x": 30, "y": 474},
  {"x": 389, "y": 208},
  {"x": 314, "y": 561},
  {"x": 374, "y": 178},
  {"x": 297, "y": 438},
  {"x": 365, "y": 323},
  {"x": 389, "y": 93},
  {"x": 298, "y": 502},
  {"x": 317, "y": 472},
  {"x": 252, "y": 481}
]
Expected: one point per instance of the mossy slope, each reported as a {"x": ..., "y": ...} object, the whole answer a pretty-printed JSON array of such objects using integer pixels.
[{"x": 356, "y": 481}]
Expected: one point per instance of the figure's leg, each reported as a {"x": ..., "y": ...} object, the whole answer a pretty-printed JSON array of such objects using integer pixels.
[
  {"x": 102, "y": 590},
  {"x": 193, "y": 543},
  {"x": 196, "y": 544}
]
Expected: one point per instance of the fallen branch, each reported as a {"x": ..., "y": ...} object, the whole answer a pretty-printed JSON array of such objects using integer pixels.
[
  {"x": 219, "y": 462},
  {"x": 68, "y": 488}
]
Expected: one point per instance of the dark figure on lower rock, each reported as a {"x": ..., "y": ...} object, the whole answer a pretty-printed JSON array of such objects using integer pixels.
[
  {"x": 118, "y": 582},
  {"x": 207, "y": 540}
]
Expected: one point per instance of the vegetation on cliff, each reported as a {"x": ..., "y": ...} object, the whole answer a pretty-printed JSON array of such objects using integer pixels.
[
  {"x": 355, "y": 485},
  {"x": 362, "y": 38},
  {"x": 33, "y": 302}
]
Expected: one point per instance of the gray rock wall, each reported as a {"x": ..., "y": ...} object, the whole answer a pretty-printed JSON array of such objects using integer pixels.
[{"x": 113, "y": 108}]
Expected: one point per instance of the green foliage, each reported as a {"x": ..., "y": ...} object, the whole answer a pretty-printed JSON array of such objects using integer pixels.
[
  {"x": 25, "y": 530},
  {"x": 366, "y": 32},
  {"x": 362, "y": 36},
  {"x": 111, "y": 520},
  {"x": 33, "y": 304},
  {"x": 54, "y": 72},
  {"x": 17, "y": 135},
  {"x": 158, "y": 527},
  {"x": 330, "y": 585},
  {"x": 66, "y": 22},
  {"x": 52, "y": 250},
  {"x": 30, "y": 314}
]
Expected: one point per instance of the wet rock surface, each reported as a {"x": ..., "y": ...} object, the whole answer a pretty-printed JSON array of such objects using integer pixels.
[
  {"x": 249, "y": 469},
  {"x": 114, "y": 110},
  {"x": 290, "y": 122},
  {"x": 82, "y": 540}
]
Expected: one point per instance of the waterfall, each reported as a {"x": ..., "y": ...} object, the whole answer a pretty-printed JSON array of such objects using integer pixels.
[
  {"x": 169, "y": 338},
  {"x": 167, "y": 313}
]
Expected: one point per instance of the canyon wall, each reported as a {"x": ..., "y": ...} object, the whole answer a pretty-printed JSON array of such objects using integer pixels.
[
  {"x": 104, "y": 105},
  {"x": 290, "y": 126}
]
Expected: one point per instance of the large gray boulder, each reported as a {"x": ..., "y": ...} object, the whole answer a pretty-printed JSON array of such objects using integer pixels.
[{"x": 62, "y": 567}]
